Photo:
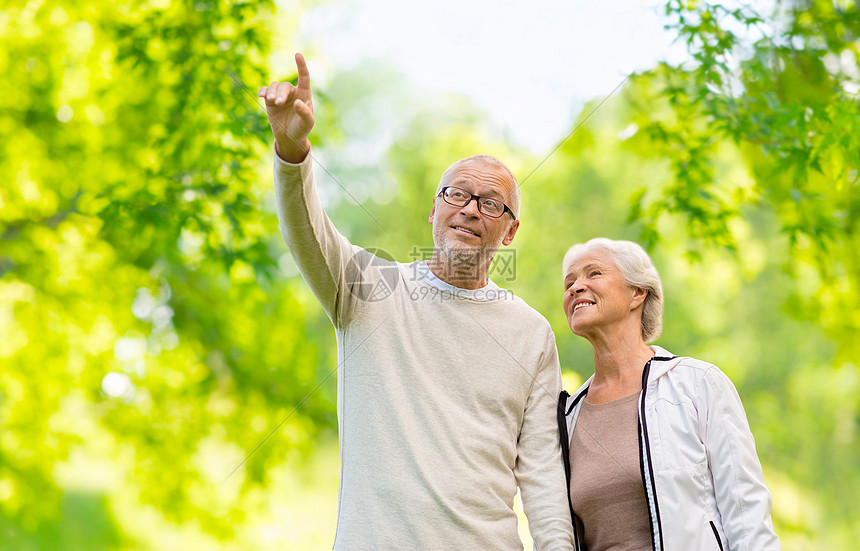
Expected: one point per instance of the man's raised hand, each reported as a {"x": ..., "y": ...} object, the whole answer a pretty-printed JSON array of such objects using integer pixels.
[{"x": 291, "y": 114}]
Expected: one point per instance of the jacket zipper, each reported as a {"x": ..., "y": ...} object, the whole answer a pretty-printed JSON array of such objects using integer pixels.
[
  {"x": 643, "y": 428},
  {"x": 716, "y": 534}
]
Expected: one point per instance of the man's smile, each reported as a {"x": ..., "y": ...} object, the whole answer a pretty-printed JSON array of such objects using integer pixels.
[{"x": 466, "y": 230}]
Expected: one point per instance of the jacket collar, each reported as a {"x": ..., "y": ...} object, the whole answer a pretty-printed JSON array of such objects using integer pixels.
[{"x": 662, "y": 362}]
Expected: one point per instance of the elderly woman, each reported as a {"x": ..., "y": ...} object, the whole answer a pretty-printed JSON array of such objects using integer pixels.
[{"x": 657, "y": 448}]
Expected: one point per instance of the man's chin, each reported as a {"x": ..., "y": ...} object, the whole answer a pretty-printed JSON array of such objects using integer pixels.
[{"x": 459, "y": 249}]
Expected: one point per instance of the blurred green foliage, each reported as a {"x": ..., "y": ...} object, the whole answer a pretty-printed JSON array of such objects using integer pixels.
[
  {"x": 782, "y": 88},
  {"x": 150, "y": 338},
  {"x": 155, "y": 331}
]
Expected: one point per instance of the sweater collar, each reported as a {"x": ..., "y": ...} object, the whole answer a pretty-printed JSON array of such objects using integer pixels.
[{"x": 480, "y": 294}]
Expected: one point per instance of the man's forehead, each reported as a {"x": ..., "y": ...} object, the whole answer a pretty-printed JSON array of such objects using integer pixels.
[{"x": 479, "y": 172}]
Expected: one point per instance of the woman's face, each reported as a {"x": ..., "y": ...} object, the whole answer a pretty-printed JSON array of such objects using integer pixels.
[{"x": 597, "y": 299}]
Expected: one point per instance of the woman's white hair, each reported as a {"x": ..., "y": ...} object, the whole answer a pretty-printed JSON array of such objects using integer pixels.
[{"x": 637, "y": 270}]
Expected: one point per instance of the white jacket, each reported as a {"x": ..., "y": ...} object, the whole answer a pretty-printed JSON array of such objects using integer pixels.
[{"x": 703, "y": 480}]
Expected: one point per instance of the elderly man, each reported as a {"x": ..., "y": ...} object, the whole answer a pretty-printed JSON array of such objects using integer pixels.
[{"x": 446, "y": 383}]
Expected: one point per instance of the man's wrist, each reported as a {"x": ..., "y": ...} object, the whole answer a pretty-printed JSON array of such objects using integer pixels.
[{"x": 295, "y": 153}]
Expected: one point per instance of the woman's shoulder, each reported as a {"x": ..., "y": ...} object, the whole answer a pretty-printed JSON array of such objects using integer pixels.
[
  {"x": 698, "y": 379},
  {"x": 688, "y": 365},
  {"x": 667, "y": 362}
]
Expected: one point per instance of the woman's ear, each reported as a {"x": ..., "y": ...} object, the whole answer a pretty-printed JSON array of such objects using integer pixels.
[{"x": 639, "y": 295}]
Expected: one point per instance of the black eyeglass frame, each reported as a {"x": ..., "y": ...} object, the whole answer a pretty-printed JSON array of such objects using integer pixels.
[{"x": 477, "y": 199}]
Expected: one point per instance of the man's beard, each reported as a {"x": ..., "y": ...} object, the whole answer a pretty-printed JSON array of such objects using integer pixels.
[{"x": 464, "y": 261}]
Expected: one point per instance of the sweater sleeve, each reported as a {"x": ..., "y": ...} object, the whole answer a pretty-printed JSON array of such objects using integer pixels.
[
  {"x": 743, "y": 500},
  {"x": 539, "y": 469},
  {"x": 329, "y": 263}
]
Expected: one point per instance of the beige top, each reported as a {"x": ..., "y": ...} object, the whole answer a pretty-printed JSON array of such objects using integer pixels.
[
  {"x": 446, "y": 397},
  {"x": 606, "y": 486}
]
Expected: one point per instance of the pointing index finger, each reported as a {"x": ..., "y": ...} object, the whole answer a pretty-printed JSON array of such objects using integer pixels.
[{"x": 304, "y": 75}]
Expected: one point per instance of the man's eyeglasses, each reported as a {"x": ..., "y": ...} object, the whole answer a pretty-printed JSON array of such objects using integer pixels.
[{"x": 486, "y": 205}]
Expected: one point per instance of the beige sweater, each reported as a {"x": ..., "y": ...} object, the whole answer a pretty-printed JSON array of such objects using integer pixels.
[{"x": 446, "y": 397}]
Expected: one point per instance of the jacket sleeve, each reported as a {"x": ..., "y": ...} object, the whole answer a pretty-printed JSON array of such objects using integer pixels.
[
  {"x": 539, "y": 469},
  {"x": 330, "y": 265},
  {"x": 743, "y": 500}
]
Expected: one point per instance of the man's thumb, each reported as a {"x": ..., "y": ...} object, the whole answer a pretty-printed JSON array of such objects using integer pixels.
[{"x": 305, "y": 114}]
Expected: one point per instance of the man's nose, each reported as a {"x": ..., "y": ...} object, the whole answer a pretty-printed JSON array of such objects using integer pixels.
[{"x": 471, "y": 208}]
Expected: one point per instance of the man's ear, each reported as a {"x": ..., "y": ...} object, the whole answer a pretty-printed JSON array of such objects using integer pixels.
[
  {"x": 512, "y": 231},
  {"x": 639, "y": 295},
  {"x": 432, "y": 212}
]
